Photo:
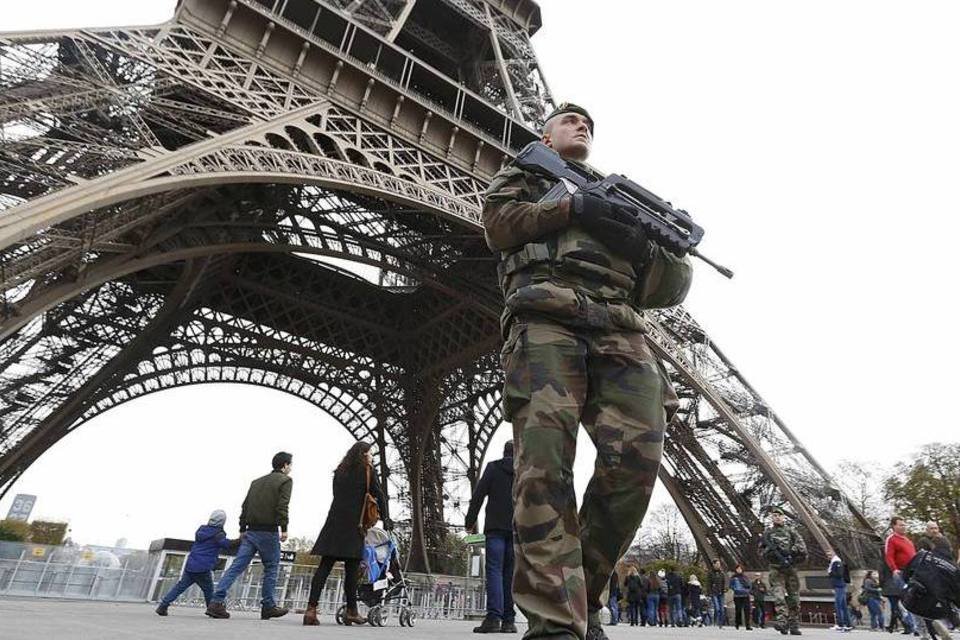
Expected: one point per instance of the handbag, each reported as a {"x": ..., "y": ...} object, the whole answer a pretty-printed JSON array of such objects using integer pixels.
[{"x": 369, "y": 512}]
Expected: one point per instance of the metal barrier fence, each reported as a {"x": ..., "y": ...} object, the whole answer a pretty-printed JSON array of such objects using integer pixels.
[
  {"x": 95, "y": 573},
  {"x": 433, "y": 597},
  {"x": 103, "y": 573}
]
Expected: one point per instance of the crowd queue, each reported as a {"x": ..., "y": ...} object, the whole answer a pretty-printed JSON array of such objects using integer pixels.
[
  {"x": 642, "y": 596},
  {"x": 663, "y": 598}
]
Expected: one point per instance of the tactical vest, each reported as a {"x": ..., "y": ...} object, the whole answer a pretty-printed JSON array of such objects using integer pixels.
[{"x": 571, "y": 278}]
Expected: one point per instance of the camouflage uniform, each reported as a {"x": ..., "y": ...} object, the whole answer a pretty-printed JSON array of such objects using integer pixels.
[
  {"x": 784, "y": 547},
  {"x": 574, "y": 352}
]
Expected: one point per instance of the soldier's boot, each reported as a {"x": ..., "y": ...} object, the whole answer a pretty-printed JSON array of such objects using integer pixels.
[
  {"x": 489, "y": 625},
  {"x": 781, "y": 627},
  {"x": 596, "y": 633},
  {"x": 594, "y": 630},
  {"x": 310, "y": 616},
  {"x": 795, "y": 630}
]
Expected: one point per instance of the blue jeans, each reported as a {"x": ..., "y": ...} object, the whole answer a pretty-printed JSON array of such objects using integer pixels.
[
  {"x": 676, "y": 610},
  {"x": 499, "y": 573},
  {"x": 876, "y": 613},
  {"x": 759, "y": 615},
  {"x": 653, "y": 603},
  {"x": 719, "y": 611},
  {"x": 840, "y": 604},
  {"x": 267, "y": 544},
  {"x": 203, "y": 579},
  {"x": 614, "y": 607}
]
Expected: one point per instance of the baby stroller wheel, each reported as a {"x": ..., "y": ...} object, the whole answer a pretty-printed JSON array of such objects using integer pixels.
[
  {"x": 411, "y": 617},
  {"x": 383, "y": 616},
  {"x": 403, "y": 617},
  {"x": 338, "y": 616},
  {"x": 373, "y": 615}
]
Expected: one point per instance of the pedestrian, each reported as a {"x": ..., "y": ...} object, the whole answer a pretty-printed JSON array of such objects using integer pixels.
[
  {"x": 935, "y": 542},
  {"x": 613, "y": 598},
  {"x": 758, "y": 589},
  {"x": 496, "y": 487},
  {"x": 575, "y": 273},
  {"x": 675, "y": 597},
  {"x": 740, "y": 585},
  {"x": 839, "y": 576},
  {"x": 718, "y": 588},
  {"x": 694, "y": 592},
  {"x": 663, "y": 611},
  {"x": 783, "y": 548},
  {"x": 634, "y": 595},
  {"x": 209, "y": 540},
  {"x": 341, "y": 538},
  {"x": 650, "y": 589},
  {"x": 265, "y": 510},
  {"x": 871, "y": 596},
  {"x": 898, "y": 551}
]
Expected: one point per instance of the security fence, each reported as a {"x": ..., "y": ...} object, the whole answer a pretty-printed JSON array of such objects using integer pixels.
[
  {"x": 96, "y": 573},
  {"x": 104, "y": 573}
]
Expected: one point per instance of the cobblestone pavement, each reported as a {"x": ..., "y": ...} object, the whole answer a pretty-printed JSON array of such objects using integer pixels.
[{"x": 41, "y": 619}]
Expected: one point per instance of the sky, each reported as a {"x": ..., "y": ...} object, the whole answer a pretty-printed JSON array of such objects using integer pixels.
[{"x": 817, "y": 142}]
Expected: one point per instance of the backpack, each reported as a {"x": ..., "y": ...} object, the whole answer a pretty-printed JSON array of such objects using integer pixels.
[{"x": 933, "y": 586}]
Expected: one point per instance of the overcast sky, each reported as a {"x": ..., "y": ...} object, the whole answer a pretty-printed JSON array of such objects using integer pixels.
[{"x": 817, "y": 142}]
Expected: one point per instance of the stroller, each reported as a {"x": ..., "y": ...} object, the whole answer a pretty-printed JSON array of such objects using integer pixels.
[{"x": 382, "y": 585}]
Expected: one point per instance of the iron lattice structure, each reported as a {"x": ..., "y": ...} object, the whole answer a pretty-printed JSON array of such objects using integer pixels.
[{"x": 286, "y": 193}]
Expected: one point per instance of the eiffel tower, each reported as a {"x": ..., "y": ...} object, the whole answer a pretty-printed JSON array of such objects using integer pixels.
[{"x": 287, "y": 193}]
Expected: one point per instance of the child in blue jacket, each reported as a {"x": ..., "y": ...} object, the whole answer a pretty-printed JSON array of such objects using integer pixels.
[{"x": 208, "y": 542}]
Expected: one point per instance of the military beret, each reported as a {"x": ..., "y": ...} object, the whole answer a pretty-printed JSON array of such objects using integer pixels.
[{"x": 569, "y": 107}]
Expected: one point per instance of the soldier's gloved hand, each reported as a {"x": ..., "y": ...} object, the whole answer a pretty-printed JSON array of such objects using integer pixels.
[{"x": 615, "y": 226}]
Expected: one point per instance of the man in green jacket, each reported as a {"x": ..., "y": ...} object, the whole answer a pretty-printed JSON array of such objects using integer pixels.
[
  {"x": 575, "y": 274},
  {"x": 264, "y": 512}
]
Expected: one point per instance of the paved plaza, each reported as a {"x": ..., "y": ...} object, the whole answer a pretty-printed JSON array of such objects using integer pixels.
[{"x": 33, "y": 619}]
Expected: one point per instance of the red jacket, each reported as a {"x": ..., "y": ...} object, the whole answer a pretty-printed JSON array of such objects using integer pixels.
[{"x": 898, "y": 551}]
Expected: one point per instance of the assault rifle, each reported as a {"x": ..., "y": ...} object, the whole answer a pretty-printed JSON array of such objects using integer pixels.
[{"x": 671, "y": 228}]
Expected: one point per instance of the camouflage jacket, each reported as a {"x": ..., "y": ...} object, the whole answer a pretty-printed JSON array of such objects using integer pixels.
[
  {"x": 783, "y": 543},
  {"x": 552, "y": 267}
]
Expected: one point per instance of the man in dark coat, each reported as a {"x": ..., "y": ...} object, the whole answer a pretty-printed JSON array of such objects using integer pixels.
[
  {"x": 496, "y": 487},
  {"x": 264, "y": 511},
  {"x": 934, "y": 541},
  {"x": 717, "y": 586}
]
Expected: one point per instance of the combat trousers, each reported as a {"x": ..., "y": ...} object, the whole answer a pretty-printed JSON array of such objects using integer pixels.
[
  {"x": 785, "y": 585},
  {"x": 555, "y": 378}
]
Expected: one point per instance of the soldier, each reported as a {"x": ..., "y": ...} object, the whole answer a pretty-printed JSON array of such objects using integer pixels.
[
  {"x": 575, "y": 273},
  {"x": 785, "y": 549}
]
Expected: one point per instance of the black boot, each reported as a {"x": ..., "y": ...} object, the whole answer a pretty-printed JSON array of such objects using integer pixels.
[
  {"x": 162, "y": 610},
  {"x": 217, "y": 610},
  {"x": 508, "y": 627},
  {"x": 489, "y": 625},
  {"x": 795, "y": 630}
]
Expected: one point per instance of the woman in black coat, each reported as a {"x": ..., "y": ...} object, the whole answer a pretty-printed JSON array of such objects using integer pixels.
[{"x": 342, "y": 535}]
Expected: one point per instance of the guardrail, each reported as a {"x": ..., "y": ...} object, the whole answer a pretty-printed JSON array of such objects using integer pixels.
[{"x": 105, "y": 573}]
